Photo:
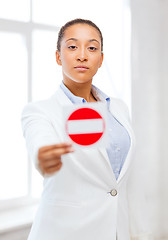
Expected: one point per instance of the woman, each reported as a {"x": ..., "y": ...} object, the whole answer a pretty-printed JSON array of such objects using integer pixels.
[{"x": 87, "y": 193}]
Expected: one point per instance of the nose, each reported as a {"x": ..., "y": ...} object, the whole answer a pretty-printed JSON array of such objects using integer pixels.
[{"x": 82, "y": 55}]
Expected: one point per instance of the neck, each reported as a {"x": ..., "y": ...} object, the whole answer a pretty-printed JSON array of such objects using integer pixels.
[{"x": 82, "y": 90}]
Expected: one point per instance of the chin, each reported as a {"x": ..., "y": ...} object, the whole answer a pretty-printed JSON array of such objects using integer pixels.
[{"x": 82, "y": 80}]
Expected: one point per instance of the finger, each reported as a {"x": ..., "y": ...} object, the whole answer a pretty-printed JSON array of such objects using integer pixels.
[
  {"x": 51, "y": 163},
  {"x": 53, "y": 169},
  {"x": 55, "y": 146},
  {"x": 56, "y": 153}
]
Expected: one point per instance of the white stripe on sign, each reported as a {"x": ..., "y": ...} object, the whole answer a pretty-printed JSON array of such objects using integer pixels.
[{"x": 85, "y": 126}]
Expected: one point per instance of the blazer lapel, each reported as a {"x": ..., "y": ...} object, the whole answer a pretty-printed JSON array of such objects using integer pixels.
[
  {"x": 104, "y": 154},
  {"x": 120, "y": 116}
]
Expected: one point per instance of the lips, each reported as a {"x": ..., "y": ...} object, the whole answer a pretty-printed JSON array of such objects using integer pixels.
[{"x": 81, "y": 67}]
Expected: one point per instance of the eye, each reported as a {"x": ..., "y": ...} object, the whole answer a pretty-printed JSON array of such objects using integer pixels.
[
  {"x": 93, "y": 48},
  {"x": 72, "y": 47}
]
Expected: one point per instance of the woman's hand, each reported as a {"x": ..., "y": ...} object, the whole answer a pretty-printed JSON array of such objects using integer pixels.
[{"x": 50, "y": 157}]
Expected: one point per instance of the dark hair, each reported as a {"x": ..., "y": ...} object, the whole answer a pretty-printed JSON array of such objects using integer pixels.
[{"x": 73, "y": 22}]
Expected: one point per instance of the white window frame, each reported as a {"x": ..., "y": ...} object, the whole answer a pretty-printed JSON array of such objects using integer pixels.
[{"x": 26, "y": 30}]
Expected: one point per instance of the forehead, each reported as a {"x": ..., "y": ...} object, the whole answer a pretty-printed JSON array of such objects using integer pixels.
[{"x": 81, "y": 31}]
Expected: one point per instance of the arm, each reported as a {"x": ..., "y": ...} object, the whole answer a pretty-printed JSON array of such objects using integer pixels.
[{"x": 41, "y": 140}]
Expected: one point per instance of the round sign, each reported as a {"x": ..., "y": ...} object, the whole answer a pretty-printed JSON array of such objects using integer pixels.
[{"x": 85, "y": 126}]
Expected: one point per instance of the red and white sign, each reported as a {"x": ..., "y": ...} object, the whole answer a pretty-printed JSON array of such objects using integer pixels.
[{"x": 85, "y": 126}]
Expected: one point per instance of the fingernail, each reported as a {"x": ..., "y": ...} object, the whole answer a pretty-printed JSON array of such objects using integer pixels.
[{"x": 71, "y": 149}]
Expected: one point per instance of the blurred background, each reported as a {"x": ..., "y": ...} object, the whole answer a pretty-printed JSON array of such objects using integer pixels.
[{"x": 135, "y": 69}]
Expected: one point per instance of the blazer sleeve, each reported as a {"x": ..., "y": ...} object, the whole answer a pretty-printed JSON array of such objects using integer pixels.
[
  {"x": 137, "y": 202},
  {"x": 37, "y": 130}
]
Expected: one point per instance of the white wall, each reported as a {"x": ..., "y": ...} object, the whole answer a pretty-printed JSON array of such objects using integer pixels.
[
  {"x": 150, "y": 104},
  {"x": 164, "y": 118}
]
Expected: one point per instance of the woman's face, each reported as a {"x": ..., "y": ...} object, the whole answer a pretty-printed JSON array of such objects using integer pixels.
[{"x": 80, "y": 55}]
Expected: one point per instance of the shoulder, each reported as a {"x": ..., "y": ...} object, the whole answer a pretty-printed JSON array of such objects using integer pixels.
[
  {"x": 118, "y": 105},
  {"x": 42, "y": 106},
  {"x": 35, "y": 108}
]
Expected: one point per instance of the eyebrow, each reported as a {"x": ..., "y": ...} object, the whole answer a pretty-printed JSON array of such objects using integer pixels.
[{"x": 74, "y": 39}]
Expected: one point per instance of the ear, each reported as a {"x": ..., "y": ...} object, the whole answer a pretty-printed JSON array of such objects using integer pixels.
[
  {"x": 101, "y": 60},
  {"x": 58, "y": 58}
]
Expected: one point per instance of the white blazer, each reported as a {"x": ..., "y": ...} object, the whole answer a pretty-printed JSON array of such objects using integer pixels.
[{"x": 77, "y": 202}]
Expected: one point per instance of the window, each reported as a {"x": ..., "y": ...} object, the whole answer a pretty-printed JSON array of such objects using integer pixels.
[
  {"x": 28, "y": 35},
  {"x": 13, "y": 75},
  {"x": 15, "y": 10}
]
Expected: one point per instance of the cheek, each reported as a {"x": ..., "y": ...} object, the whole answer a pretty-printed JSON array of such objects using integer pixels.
[
  {"x": 97, "y": 62},
  {"x": 66, "y": 59}
]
